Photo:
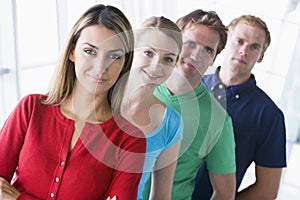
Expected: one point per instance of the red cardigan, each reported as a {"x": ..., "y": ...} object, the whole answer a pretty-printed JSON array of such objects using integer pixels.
[{"x": 107, "y": 159}]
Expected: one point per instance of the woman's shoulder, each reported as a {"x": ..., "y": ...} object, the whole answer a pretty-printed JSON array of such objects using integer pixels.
[
  {"x": 126, "y": 126},
  {"x": 31, "y": 99},
  {"x": 172, "y": 113},
  {"x": 173, "y": 122}
]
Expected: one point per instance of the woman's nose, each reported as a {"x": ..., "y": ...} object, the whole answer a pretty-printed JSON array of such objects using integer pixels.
[
  {"x": 156, "y": 63},
  {"x": 101, "y": 65}
]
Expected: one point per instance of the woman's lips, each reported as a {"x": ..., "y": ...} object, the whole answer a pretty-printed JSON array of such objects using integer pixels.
[{"x": 152, "y": 76}]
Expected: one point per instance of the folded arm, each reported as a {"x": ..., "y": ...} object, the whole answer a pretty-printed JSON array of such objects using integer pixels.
[
  {"x": 7, "y": 191},
  {"x": 224, "y": 186},
  {"x": 266, "y": 185}
]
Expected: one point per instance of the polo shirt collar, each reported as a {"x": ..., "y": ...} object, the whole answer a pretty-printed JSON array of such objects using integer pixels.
[{"x": 232, "y": 92}]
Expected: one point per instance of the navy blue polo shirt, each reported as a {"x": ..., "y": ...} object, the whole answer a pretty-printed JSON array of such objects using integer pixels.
[{"x": 259, "y": 129}]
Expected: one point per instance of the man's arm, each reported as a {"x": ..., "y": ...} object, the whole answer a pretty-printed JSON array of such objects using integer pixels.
[
  {"x": 266, "y": 185},
  {"x": 224, "y": 186}
]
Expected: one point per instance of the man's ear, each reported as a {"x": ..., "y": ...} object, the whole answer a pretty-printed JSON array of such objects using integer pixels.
[{"x": 261, "y": 58}]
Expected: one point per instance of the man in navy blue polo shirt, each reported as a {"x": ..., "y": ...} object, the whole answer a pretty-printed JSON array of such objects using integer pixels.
[{"x": 258, "y": 123}]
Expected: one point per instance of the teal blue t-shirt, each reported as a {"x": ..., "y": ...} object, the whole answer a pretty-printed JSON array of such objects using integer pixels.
[{"x": 167, "y": 134}]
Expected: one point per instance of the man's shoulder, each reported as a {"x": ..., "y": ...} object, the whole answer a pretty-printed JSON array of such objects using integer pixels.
[
  {"x": 265, "y": 101},
  {"x": 208, "y": 77},
  {"x": 212, "y": 103}
]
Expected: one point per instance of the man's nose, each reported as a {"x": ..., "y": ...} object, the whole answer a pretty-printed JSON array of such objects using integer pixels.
[
  {"x": 244, "y": 50},
  {"x": 196, "y": 53}
]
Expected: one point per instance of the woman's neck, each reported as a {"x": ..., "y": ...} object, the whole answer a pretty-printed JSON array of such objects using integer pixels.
[
  {"x": 86, "y": 107},
  {"x": 136, "y": 92},
  {"x": 141, "y": 107}
]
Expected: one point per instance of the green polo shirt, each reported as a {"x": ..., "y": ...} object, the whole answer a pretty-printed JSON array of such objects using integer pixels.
[{"x": 207, "y": 135}]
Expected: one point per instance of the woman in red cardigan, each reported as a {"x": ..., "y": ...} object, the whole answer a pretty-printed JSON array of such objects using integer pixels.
[{"x": 69, "y": 144}]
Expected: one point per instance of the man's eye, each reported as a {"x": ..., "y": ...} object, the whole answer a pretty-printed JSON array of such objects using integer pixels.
[
  {"x": 191, "y": 44},
  {"x": 148, "y": 53},
  {"x": 208, "y": 50},
  {"x": 90, "y": 51},
  {"x": 168, "y": 59},
  {"x": 255, "y": 47}
]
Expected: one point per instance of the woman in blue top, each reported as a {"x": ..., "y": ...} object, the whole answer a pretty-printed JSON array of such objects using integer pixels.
[{"x": 157, "y": 46}]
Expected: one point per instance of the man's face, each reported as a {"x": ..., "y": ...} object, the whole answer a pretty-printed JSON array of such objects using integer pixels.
[
  {"x": 198, "y": 51},
  {"x": 243, "y": 49}
]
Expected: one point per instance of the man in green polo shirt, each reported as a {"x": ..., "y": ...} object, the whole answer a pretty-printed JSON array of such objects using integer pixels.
[{"x": 208, "y": 133}]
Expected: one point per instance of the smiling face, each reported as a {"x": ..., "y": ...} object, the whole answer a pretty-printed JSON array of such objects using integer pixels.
[
  {"x": 198, "y": 52},
  {"x": 243, "y": 49},
  {"x": 155, "y": 56},
  {"x": 98, "y": 58}
]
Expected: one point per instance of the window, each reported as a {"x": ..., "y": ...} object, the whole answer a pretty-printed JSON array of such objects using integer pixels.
[{"x": 30, "y": 43}]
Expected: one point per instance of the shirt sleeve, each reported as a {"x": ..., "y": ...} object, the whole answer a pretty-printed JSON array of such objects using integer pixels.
[
  {"x": 12, "y": 137},
  {"x": 127, "y": 174},
  {"x": 221, "y": 159},
  {"x": 271, "y": 151},
  {"x": 174, "y": 130}
]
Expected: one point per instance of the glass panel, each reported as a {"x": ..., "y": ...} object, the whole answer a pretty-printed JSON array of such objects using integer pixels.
[
  {"x": 291, "y": 97},
  {"x": 37, "y": 31},
  {"x": 36, "y": 80},
  {"x": 8, "y": 84}
]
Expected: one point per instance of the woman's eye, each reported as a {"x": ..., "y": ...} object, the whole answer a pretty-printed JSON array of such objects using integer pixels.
[
  {"x": 90, "y": 51},
  {"x": 115, "y": 56},
  {"x": 148, "y": 53}
]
